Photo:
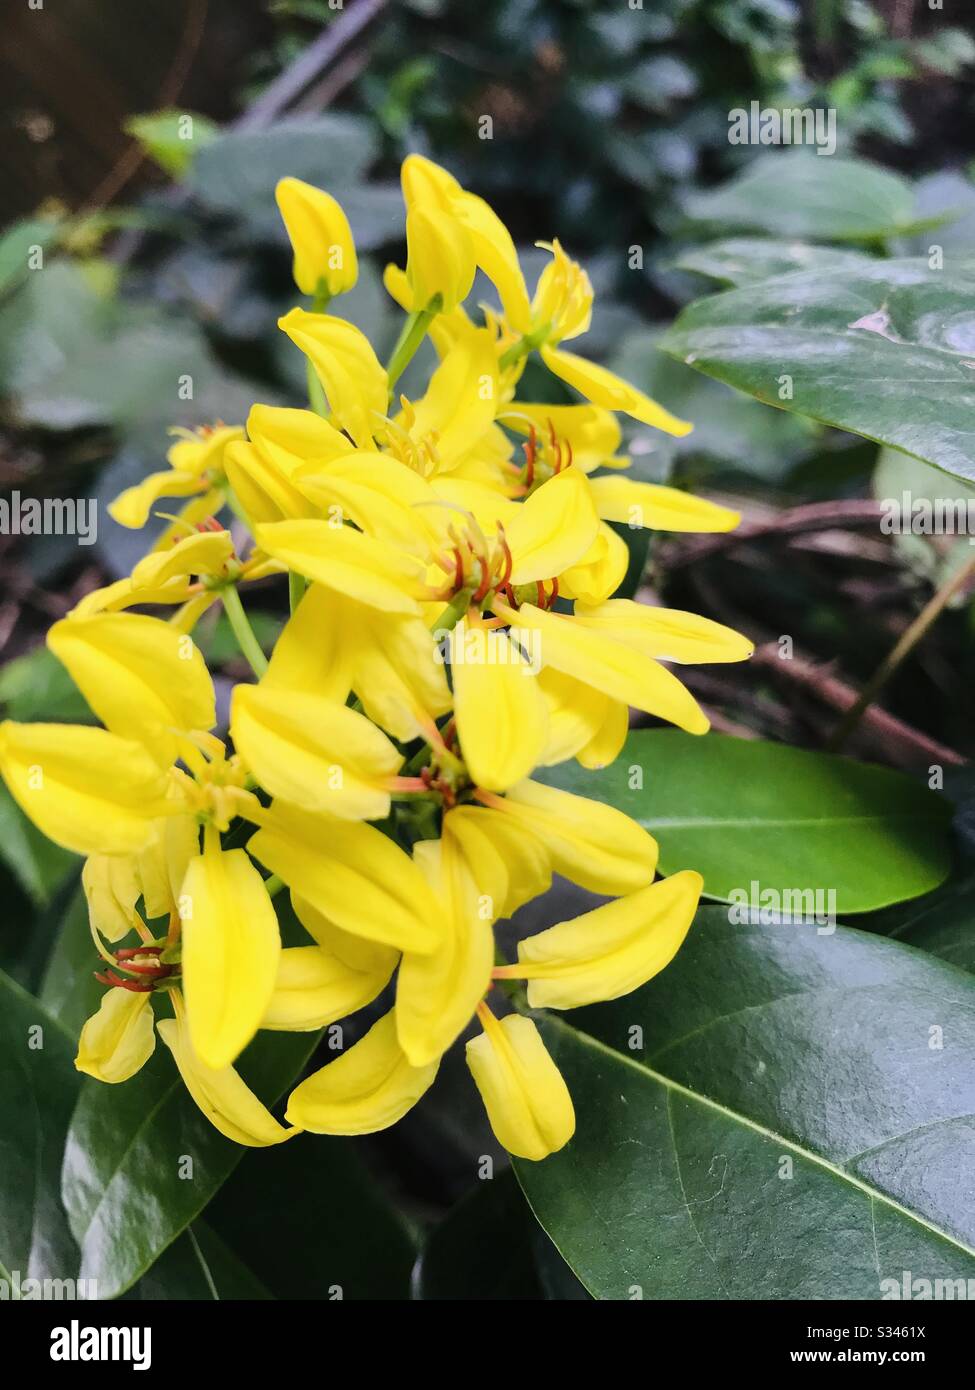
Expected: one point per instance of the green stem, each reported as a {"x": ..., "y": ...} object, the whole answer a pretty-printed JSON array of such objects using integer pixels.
[
  {"x": 411, "y": 336},
  {"x": 243, "y": 631},
  {"x": 454, "y": 611},
  {"x": 296, "y": 588},
  {"x": 516, "y": 352},
  {"x": 273, "y": 885}
]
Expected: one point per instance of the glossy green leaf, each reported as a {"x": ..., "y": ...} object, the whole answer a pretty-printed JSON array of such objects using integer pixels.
[
  {"x": 943, "y": 925},
  {"x": 850, "y": 347},
  {"x": 760, "y": 818},
  {"x": 482, "y": 1249},
  {"x": 127, "y": 1186},
  {"x": 38, "y": 865},
  {"x": 310, "y": 1220},
  {"x": 201, "y": 1267},
  {"x": 797, "y": 193},
  {"x": 744, "y": 260},
  {"x": 38, "y": 1086},
  {"x": 772, "y": 1117}
]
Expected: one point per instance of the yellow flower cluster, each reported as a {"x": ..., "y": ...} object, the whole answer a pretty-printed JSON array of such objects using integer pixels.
[{"x": 452, "y": 630}]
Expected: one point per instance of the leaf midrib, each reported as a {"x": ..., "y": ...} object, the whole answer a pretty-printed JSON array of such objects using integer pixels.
[{"x": 809, "y": 1155}]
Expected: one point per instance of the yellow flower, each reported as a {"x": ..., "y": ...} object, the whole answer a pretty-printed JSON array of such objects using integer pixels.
[
  {"x": 231, "y": 946},
  {"x": 314, "y": 987},
  {"x": 439, "y": 259},
  {"x": 437, "y": 992},
  {"x": 324, "y": 252},
  {"x": 225, "y": 1099},
  {"x": 527, "y": 1100},
  {"x": 310, "y": 751},
  {"x": 354, "y": 383},
  {"x": 356, "y": 877},
  {"x": 165, "y": 576},
  {"x": 119, "y": 1039},
  {"x": 368, "y": 1087},
  {"x": 586, "y": 841},
  {"x": 610, "y": 951},
  {"x": 144, "y": 679},
  {"x": 195, "y": 471},
  {"x": 59, "y": 776}
]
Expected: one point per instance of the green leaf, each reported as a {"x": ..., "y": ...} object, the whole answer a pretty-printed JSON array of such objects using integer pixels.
[
  {"x": 767, "y": 1119},
  {"x": 730, "y": 429},
  {"x": 943, "y": 925},
  {"x": 800, "y": 194},
  {"x": 849, "y": 348},
  {"x": 236, "y": 174},
  {"x": 309, "y": 1219},
  {"x": 38, "y": 1086},
  {"x": 69, "y": 989},
  {"x": 748, "y": 814},
  {"x": 125, "y": 1182},
  {"x": 38, "y": 864},
  {"x": 744, "y": 260},
  {"x": 482, "y": 1249},
  {"x": 201, "y": 1267},
  {"x": 172, "y": 138},
  {"x": 16, "y": 245},
  {"x": 37, "y": 686}
]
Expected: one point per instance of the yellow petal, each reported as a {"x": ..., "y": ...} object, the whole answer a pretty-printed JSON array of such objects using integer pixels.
[
  {"x": 200, "y": 451},
  {"x": 563, "y": 296},
  {"x": 324, "y": 252},
  {"x": 359, "y": 954},
  {"x": 439, "y": 258},
  {"x": 436, "y": 994},
  {"x": 225, "y": 1099},
  {"x": 495, "y": 253},
  {"x": 231, "y": 946},
  {"x": 603, "y": 387},
  {"x": 576, "y": 714},
  {"x": 666, "y": 634},
  {"x": 501, "y": 714},
  {"x": 343, "y": 559},
  {"x": 589, "y": 842},
  {"x": 352, "y": 874},
  {"x": 527, "y": 1101},
  {"x": 611, "y": 666},
  {"x": 57, "y": 775},
  {"x": 397, "y": 674},
  {"x": 206, "y": 552},
  {"x": 554, "y": 529},
  {"x": 662, "y": 508},
  {"x": 350, "y": 373},
  {"x": 601, "y": 570},
  {"x": 287, "y": 437},
  {"x": 373, "y": 490},
  {"x": 312, "y": 652},
  {"x": 112, "y": 887},
  {"x": 118, "y": 1040},
  {"x": 612, "y": 950},
  {"x": 313, "y": 752},
  {"x": 314, "y": 988},
  {"x": 592, "y": 433},
  {"x": 263, "y": 490},
  {"x": 143, "y": 678},
  {"x": 607, "y": 742},
  {"x": 458, "y": 407},
  {"x": 132, "y": 507},
  {"x": 367, "y": 1088},
  {"x": 509, "y": 865}
]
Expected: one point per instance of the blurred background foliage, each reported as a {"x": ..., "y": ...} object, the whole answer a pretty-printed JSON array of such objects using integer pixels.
[{"x": 165, "y": 260}]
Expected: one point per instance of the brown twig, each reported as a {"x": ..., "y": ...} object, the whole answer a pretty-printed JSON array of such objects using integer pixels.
[{"x": 816, "y": 516}]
